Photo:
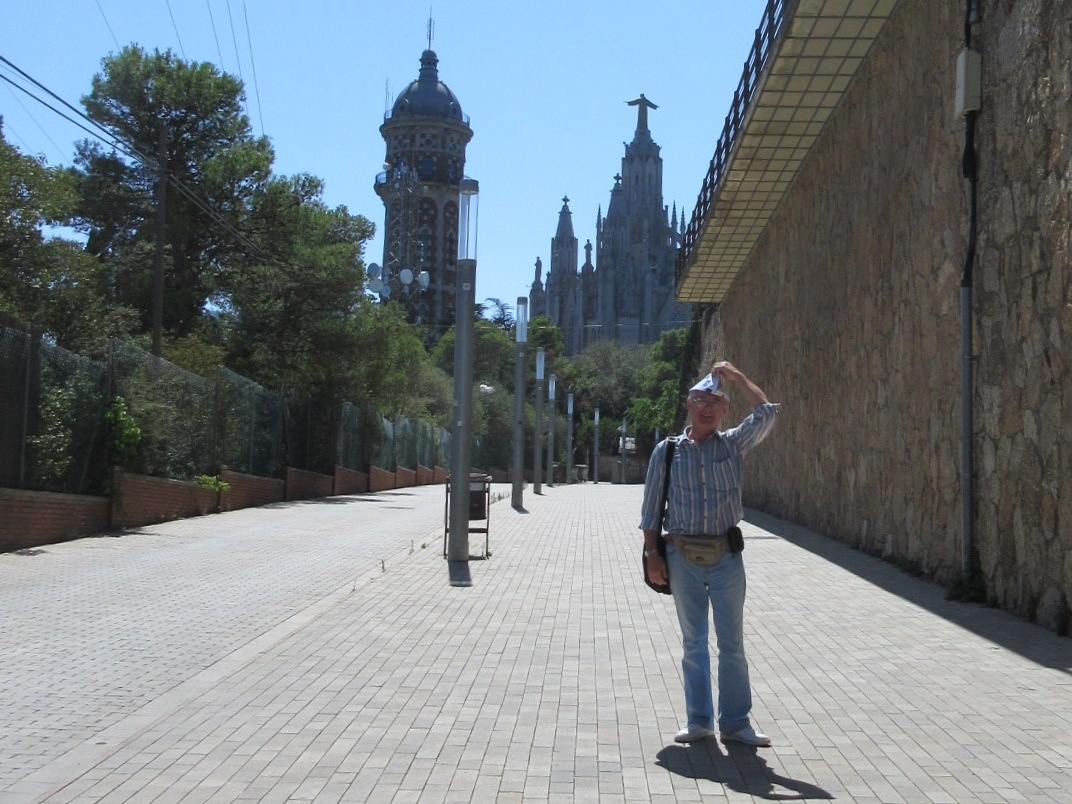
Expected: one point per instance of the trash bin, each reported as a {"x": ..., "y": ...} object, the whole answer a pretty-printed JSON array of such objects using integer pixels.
[
  {"x": 479, "y": 484},
  {"x": 479, "y": 500}
]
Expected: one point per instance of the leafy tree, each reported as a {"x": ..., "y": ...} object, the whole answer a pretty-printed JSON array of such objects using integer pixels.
[
  {"x": 493, "y": 407},
  {"x": 50, "y": 283},
  {"x": 185, "y": 119},
  {"x": 502, "y": 315},
  {"x": 493, "y": 428},
  {"x": 607, "y": 376},
  {"x": 648, "y": 414},
  {"x": 493, "y": 354},
  {"x": 390, "y": 365},
  {"x": 292, "y": 321},
  {"x": 195, "y": 355},
  {"x": 429, "y": 395},
  {"x": 659, "y": 402},
  {"x": 543, "y": 332}
]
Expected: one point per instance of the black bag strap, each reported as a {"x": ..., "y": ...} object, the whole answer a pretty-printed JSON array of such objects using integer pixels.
[{"x": 671, "y": 445}]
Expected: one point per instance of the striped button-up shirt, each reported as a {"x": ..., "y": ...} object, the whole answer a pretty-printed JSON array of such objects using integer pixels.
[{"x": 705, "y": 478}]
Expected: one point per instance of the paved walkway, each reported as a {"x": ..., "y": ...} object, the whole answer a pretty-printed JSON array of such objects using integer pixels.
[{"x": 315, "y": 652}]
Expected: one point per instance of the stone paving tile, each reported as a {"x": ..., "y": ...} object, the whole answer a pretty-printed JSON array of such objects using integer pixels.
[{"x": 315, "y": 652}]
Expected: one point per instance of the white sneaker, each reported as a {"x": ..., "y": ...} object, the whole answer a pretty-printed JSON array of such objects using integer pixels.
[
  {"x": 748, "y": 736},
  {"x": 693, "y": 734}
]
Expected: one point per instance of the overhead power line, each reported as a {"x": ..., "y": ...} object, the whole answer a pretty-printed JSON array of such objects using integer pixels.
[
  {"x": 234, "y": 41},
  {"x": 175, "y": 27},
  {"x": 109, "y": 138},
  {"x": 108, "y": 25},
  {"x": 7, "y": 126},
  {"x": 215, "y": 35},
  {"x": 253, "y": 65},
  {"x": 97, "y": 132}
]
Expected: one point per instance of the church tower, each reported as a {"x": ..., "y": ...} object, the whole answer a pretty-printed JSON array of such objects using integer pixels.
[
  {"x": 628, "y": 294},
  {"x": 563, "y": 283},
  {"x": 426, "y": 134}
]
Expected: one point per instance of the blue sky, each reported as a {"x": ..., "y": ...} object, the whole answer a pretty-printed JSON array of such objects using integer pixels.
[{"x": 544, "y": 85}]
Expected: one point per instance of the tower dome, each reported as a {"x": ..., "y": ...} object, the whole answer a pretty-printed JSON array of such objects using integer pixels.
[
  {"x": 426, "y": 134},
  {"x": 428, "y": 96}
]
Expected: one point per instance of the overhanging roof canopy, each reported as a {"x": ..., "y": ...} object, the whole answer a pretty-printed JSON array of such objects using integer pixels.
[{"x": 806, "y": 55}]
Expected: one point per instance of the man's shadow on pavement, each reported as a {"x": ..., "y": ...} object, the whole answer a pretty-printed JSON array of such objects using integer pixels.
[{"x": 741, "y": 769}]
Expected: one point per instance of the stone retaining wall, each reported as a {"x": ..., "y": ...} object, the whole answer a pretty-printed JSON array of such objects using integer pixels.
[{"x": 847, "y": 311}]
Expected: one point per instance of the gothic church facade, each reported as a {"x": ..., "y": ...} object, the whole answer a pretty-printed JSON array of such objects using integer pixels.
[{"x": 627, "y": 293}]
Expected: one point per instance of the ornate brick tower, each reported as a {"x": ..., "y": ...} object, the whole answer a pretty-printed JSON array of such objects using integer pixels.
[{"x": 426, "y": 134}]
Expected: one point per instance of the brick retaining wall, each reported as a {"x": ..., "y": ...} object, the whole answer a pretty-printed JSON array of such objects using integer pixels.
[
  {"x": 380, "y": 479},
  {"x": 141, "y": 500},
  {"x": 250, "y": 491},
  {"x": 35, "y": 518},
  {"x": 350, "y": 481},
  {"x": 303, "y": 485}
]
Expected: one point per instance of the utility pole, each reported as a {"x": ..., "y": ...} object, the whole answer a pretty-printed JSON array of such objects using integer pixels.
[{"x": 158, "y": 259}]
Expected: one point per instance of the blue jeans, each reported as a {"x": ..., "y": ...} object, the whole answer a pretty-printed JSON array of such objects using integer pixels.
[{"x": 720, "y": 589}]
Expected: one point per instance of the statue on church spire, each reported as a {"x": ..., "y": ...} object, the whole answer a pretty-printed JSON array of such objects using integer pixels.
[{"x": 642, "y": 104}]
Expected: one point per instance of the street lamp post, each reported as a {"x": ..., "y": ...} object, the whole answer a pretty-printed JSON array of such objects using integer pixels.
[
  {"x": 569, "y": 440},
  {"x": 521, "y": 336},
  {"x": 537, "y": 442},
  {"x": 461, "y": 438},
  {"x": 595, "y": 451},
  {"x": 551, "y": 432}
]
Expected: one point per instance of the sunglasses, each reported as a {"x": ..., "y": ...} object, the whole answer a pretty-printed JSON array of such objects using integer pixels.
[{"x": 706, "y": 404}]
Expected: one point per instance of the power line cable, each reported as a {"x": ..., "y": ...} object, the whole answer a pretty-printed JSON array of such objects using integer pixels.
[
  {"x": 253, "y": 64},
  {"x": 112, "y": 140},
  {"x": 47, "y": 105},
  {"x": 175, "y": 28},
  {"x": 101, "y": 133},
  {"x": 108, "y": 25},
  {"x": 215, "y": 36},
  {"x": 7, "y": 126},
  {"x": 238, "y": 58}
]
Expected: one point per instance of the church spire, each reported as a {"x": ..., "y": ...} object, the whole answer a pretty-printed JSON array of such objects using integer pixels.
[{"x": 565, "y": 221}]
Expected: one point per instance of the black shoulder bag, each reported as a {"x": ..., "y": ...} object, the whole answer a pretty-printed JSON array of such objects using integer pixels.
[{"x": 662, "y": 588}]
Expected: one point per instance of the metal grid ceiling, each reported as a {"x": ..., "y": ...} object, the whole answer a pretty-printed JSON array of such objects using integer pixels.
[{"x": 820, "y": 52}]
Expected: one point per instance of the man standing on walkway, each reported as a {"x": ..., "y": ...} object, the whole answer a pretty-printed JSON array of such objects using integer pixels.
[{"x": 703, "y": 554}]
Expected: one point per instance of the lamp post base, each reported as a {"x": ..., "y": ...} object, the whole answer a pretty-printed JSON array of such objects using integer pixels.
[{"x": 458, "y": 572}]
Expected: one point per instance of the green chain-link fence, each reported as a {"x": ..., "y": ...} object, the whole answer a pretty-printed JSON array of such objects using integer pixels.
[{"x": 62, "y": 417}]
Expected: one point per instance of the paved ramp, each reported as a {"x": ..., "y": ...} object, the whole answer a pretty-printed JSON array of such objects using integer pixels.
[{"x": 315, "y": 652}]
